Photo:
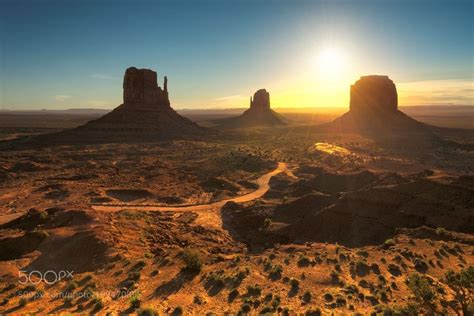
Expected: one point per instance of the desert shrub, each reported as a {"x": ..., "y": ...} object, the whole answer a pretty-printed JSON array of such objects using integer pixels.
[
  {"x": 98, "y": 305},
  {"x": 383, "y": 295},
  {"x": 233, "y": 295},
  {"x": 67, "y": 300},
  {"x": 295, "y": 284},
  {"x": 254, "y": 290},
  {"x": 276, "y": 301},
  {"x": 275, "y": 272},
  {"x": 22, "y": 302},
  {"x": 364, "y": 284},
  {"x": 148, "y": 255},
  {"x": 41, "y": 234},
  {"x": 192, "y": 261},
  {"x": 422, "y": 291},
  {"x": 335, "y": 277},
  {"x": 440, "y": 231},
  {"x": 268, "y": 297},
  {"x": 71, "y": 287},
  {"x": 303, "y": 261},
  {"x": 139, "y": 265},
  {"x": 85, "y": 279},
  {"x": 389, "y": 243},
  {"x": 420, "y": 265},
  {"x": 340, "y": 301},
  {"x": 394, "y": 269},
  {"x": 375, "y": 268},
  {"x": 362, "y": 268},
  {"x": 177, "y": 311},
  {"x": 462, "y": 284},
  {"x": 245, "y": 307},
  {"x": 328, "y": 297},
  {"x": 217, "y": 278},
  {"x": 267, "y": 310},
  {"x": 382, "y": 279},
  {"x": 307, "y": 297},
  {"x": 148, "y": 311},
  {"x": 134, "y": 276},
  {"x": 267, "y": 223},
  {"x": 313, "y": 312},
  {"x": 135, "y": 300}
]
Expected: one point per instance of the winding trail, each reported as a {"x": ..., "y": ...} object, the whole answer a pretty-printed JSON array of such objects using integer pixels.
[{"x": 208, "y": 213}]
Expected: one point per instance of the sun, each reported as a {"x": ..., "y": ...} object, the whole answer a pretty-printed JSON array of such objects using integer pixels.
[{"x": 330, "y": 63}]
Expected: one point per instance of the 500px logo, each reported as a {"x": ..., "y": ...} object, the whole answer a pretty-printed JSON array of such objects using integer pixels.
[{"x": 48, "y": 277}]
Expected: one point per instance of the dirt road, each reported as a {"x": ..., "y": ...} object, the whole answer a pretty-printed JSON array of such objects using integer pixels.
[{"x": 208, "y": 213}]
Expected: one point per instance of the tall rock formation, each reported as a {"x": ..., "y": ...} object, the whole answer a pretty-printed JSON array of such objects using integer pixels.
[
  {"x": 374, "y": 94},
  {"x": 260, "y": 101},
  {"x": 140, "y": 87},
  {"x": 146, "y": 114},
  {"x": 259, "y": 114},
  {"x": 374, "y": 113}
]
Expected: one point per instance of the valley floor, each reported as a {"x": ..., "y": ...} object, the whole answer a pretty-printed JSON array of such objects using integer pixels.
[{"x": 281, "y": 221}]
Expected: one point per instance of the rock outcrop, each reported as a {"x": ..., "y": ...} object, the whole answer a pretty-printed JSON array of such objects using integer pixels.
[
  {"x": 374, "y": 94},
  {"x": 374, "y": 113},
  {"x": 259, "y": 114},
  {"x": 145, "y": 115},
  {"x": 140, "y": 87},
  {"x": 260, "y": 101}
]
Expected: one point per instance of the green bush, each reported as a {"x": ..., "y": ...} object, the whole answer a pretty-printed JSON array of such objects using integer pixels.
[
  {"x": 462, "y": 284},
  {"x": 135, "y": 300},
  {"x": 254, "y": 290},
  {"x": 423, "y": 291},
  {"x": 148, "y": 311},
  {"x": 177, "y": 311},
  {"x": 389, "y": 243},
  {"x": 192, "y": 261},
  {"x": 295, "y": 284},
  {"x": 307, "y": 297},
  {"x": 441, "y": 231}
]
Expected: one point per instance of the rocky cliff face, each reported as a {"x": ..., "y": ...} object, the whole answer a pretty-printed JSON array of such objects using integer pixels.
[
  {"x": 140, "y": 87},
  {"x": 259, "y": 114},
  {"x": 374, "y": 113},
  {"x": 261, "y": 100},
  {"x": 374, "y": 94},
  {"x": 145, "y": 114}
]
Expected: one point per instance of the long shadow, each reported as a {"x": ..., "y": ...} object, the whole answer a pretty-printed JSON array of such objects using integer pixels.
[
  {"x": 173, "y": 285},
  {"x": 59, "y": 308},
  {"x": 213, "y": 288}
]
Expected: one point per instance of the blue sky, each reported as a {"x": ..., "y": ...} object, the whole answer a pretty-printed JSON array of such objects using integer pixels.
[{"x": 64, "y": 54}]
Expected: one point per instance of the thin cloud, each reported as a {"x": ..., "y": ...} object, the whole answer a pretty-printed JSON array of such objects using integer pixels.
[
  {"x": 230, "y": 97},
  {"x": 103, "y": 77},
  {"x": 61, "y": 97},
  {"x": 451, "y": 91},
  {"x": 98, "y": 103}
]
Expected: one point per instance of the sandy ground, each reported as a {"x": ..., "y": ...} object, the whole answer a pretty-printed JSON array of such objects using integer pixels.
[{"x": 208, "y": 214}]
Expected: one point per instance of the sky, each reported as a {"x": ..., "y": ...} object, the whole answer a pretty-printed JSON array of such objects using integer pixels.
[{"x": 217, "y": 53}]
